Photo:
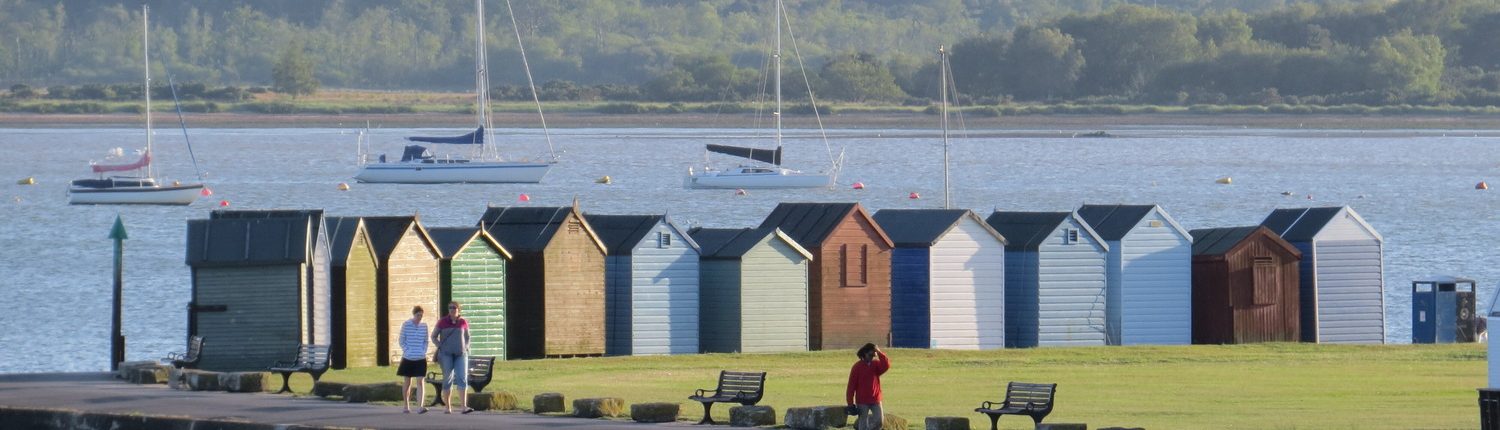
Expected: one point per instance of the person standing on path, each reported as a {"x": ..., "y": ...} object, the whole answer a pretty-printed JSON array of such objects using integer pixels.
[
  {"x": 863, "y": 391},
  {"x": 413, "y": 360},
  {"x": 452, "y": 339}
]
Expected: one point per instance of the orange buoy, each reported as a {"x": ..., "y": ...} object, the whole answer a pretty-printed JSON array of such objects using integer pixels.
[
  {"x": 913, "y": 195},
  {"x": 1481, "y": 186},
  {"x": 859, "y": 185},
  {"x": 223, "y": 203},
  {"x": 524, "y": 197},
  {"x": 206, "y": 192}
]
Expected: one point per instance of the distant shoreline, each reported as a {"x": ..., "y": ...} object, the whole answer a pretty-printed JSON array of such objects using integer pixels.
[{"x": 915, "y": 121}]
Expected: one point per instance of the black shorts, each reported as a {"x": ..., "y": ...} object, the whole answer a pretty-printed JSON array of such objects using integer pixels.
[{"x": 412, "y": 368}]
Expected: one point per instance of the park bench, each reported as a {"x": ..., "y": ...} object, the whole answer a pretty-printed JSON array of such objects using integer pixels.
[
  {"x": 1033, "y": 400},
  {"x": 745, "y": 388},
  {"x": 310, "y": 359},
  {"x": 481, "y": 369},
  {"x": 189, "y": 359}
]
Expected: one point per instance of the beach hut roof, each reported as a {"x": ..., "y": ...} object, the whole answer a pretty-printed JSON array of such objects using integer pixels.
[
  {"x": 1218, "y": 241},
  {"x": 620, "y": 233},
  {"x": 924, "y": 227},
  {"x": 1302, "y": 224},
  {"x": 1113, "y": 222},
  {"x": 735, "y": 242},
  {"x": 244, "y": 242},
  {"x": 341, "y": 234},
  {"x": 453, "y": 240},
  {"x": 1026, "y": 231},
  {"x": 529, "y": 229},
  {"x": 811, "y": 223},
  {"x": 385, "y": 233}
]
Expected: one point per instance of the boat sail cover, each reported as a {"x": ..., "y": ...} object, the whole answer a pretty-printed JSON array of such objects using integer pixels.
[
  {"x": 475, "y": 138},
  {"x": 772, "y": 156},
  {"x": 143, "y": 162}
]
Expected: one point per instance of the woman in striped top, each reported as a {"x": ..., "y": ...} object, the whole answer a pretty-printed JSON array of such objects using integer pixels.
[{"x": 413, "y": 359}]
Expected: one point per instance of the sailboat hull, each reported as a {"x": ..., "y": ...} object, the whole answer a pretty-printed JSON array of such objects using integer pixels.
[
  {"x": 145, "y": 195},
  {"x": 505, "y": 172},
  {"x": 765, "y": 180}
]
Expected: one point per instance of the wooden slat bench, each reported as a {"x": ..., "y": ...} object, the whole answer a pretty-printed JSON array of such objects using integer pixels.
[
  {"x": 481, "y": 370},
  {"x": 189, "y": 359},
  {"x": 310, "y": 359},
  {"x": 745, "y": 388},
  {"x": 1021, "y": 398}
]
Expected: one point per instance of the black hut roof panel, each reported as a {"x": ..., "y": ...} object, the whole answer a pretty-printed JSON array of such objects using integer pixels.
[
  {"x": 1113, "y": 222},
  {"x": 620, "y": 233},
  {"x": 341, "y": 234},
  {"x": 247, "y": 242},
  {"x": 1301, "y": 224},
  {"x": 451, "y": 240},
  {"x": 1217, "y": 241},
  {"x": 523, "y": 229},
  {"x": 917, "y": 227},
  {"x": 728, "y": 242},
  {"x": 385, "y": 233},
  {"x": 809, "y": 224},
  {"x": 1026, "y": 231},
  {"x": 314, "y": 216}
]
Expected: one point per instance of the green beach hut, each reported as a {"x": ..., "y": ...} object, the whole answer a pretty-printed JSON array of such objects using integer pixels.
[
  {"x": 472, "y": 272},
  {"x": 753, "y": 290}
]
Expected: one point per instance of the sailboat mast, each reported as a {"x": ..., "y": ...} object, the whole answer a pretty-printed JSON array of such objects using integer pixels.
[
  {"x": 943, "y": 57},
  {"x": 146, "y": 53},
  {"x": 777, "y": 58},
  {"x": 481, "y": 80}
]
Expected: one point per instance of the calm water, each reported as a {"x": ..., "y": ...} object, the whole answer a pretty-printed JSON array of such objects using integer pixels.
[{"x": 1416, "y": 188}]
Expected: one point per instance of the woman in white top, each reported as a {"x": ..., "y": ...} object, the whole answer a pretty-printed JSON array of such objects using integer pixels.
[{"x": 413, "y": 359}]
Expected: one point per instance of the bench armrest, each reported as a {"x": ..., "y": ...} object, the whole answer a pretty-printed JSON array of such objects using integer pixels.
[
  {"x": 990, "y": 405},
  {"x": 176, "y": 356},
  {"x": 703, "y": 392}
]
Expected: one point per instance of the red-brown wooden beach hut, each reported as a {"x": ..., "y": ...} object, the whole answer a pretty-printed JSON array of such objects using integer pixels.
[{"x": 1244, "y": 286}]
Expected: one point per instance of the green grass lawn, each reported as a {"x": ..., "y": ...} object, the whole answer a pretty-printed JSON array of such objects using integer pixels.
[{"x": 1266, "y": 386}]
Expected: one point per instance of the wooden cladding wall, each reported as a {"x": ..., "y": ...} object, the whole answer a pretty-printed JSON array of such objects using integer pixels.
[
  {"x": 1249, "y": 294},
  {"x": 355, "y": 318},
  {"x": 573, "y": 321},
  {"x": 409, "y": 278},
  {"x": 262, "y": 320},
  {"x": 851, "y": 291},
  {"x": 476, "y": 279}
]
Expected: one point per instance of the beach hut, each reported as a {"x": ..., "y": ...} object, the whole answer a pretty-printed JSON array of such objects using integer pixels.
[
  {"x": 554, "y": 284},
  {"x": 947, "y": 279},
  {"x": 406, "y": 276},
  {"x": 318, "y": 297},
  {"x": 472, "y": 272},
  {"x": 650, "y": 284},
  {"x": 352, "y": 277},
  {"x": 754, "y": 290},
  {"x": 1054, "y": 279},
  {"x": 251, "y": 297},
  {"x": 1342, "y": 273},
  {"x": 1244, "y": 286},
  {"x": 849, "y": 281},
  {"x": 1149, "y": 273}
]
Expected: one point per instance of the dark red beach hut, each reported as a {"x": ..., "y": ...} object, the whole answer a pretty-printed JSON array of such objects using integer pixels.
[{"x": 1244, "y": 286}]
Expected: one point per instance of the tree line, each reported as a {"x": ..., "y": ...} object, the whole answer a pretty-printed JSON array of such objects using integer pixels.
[{"x": 880, "y": 51}]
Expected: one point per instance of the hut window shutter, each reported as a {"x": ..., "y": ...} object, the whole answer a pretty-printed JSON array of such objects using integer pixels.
[
  {"x": 1070, "y": 236},
  {"x": 663, "y": 240},
  {"x": 575, "y": 227},
  {"x": 1266, "y": 275},
  {"x": 853, "y": 265}
]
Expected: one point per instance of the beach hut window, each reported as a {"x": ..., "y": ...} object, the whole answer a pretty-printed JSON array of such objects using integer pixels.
[
  {"x": 575, "y": 227},
  {"x": 663, "y": 240},
  {"x": 1265, "y": 274},
  {"x": 1070, "y": 236},
  {"x": 855, "y": 265}
]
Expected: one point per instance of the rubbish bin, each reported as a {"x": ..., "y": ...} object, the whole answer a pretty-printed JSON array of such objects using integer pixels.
[
  {"x": 1442, "y": 310},
  {"x": 1489, "y": 409}
]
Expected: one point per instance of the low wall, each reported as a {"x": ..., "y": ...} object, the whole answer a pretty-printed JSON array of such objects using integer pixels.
[{"x": 64, "y": 419}]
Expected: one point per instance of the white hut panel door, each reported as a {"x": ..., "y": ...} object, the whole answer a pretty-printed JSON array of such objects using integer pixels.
[
  {"x": 967, "y": 289},
  {"x": 664, "y": 290},
  {"x": 1156, "y": 285},
  {"x": 1351, "y": 287},
  {"x": 1071, "y": 289}
]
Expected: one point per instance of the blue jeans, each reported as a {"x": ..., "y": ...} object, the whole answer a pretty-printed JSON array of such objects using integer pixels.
[{"x": 455, "y": 370}]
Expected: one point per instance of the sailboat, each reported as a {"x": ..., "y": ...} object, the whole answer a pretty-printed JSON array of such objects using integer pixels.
[
  {"x": 767, "y": 173},
  {"x": 419, "y": 166},
  {"x": 143, "y": 188}
]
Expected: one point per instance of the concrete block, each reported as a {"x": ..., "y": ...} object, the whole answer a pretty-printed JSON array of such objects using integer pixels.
[
  {"x": 1062, "y": 426},
  {"x": 816, "y": 418},
  {"x": 149, "y": 375},
  {"x": 1122, "y": 428},
  {"x": 603, "y": 407},
  {"x": 246, "y": 382},
  {"x": 947, "y": 423},
  {"x": 381, "y": 392},
  {"x": 654, "y": 412},
  {"x": 753, "y": 416},
  {"x": 327, "y": 389},
  {"x": 124, "y": 369},
  {"x": 548, "y": 403},
  {"x": 492, "y": 401},
  {"x": 201, "y": 380},
  {"x": 891, "y": 421}
]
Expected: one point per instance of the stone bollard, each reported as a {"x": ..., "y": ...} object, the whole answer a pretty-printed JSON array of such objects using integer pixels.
[
  {"x": 890, "y": 421},
  {"x": 327, "y": 389},
  {"x": 753, "y": 416},
  {"x": 176, "y": 379},
  {"x": 381, "y": 392},
  {"x": 816, "y": 418},
  {"x": 947, "y": 423},
  {"x": 603, "y": 407},
  {"x": 245, "y": 382},
  {"x": 654, "y": 412},
  {"x": 548, "y": 403},
  {"x": 1062, "y": 426},
  {"x": 200, "y": 380},
  {"x": 493, "y": 401}
]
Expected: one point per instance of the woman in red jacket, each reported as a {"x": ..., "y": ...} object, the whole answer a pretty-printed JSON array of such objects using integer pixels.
[{"x": 863, "y": 391}]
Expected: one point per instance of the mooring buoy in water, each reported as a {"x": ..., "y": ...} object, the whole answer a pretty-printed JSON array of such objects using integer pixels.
[
  {"x": 741, "y": 192},
  {"x": 859, "y": 185},
  {"x": 913, "y": 195},
  {"x": 606, "y": 180},
  {"x": 1286, "y": 193},
  {"x": 223, "y": 203},
  {"x": 1481, "y": 186},
  {"x": 524, "y": 198},
  {"x": 343, "y": 186},
  {"x": 1224, "y": 181},
  {"x": 206, "y": 192},
  {"x": 28, "y": 181}
]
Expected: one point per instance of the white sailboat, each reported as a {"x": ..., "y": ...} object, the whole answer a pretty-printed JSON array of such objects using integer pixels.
[
  {"x": 420, "y": 166},
  {"x": 143, "y": 188},
  {"x": 767, "y": 173}
]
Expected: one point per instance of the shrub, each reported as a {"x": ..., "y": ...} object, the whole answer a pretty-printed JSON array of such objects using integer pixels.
[{"x": 622, "y": 109}]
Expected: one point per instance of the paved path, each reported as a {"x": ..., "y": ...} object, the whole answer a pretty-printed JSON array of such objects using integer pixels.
[{"x": 99, "y": 392}]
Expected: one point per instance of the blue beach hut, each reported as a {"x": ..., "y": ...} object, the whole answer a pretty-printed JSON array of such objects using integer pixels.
[
  {"x": 1342, "y": 273},
  {"x": 1150, "y": 276},
  {"x": 947, "y": 279},
  {"x": 650, "y": 285},
  {"x": 1054, "y": 279}
]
